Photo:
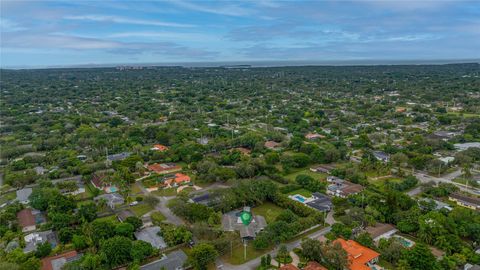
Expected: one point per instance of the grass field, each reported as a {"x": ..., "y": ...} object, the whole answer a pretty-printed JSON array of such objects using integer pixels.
[
  {"x": 268, "y": 210},
  {"x": 319, "y": 176},
  {"x": 7, "y": 197},
  {"x": 157, "y": 217},
  {"x": 166, "y": 192},
  {"x": 303, "y": 192},
  {"x": 141, "y": 209},
  {"x": 237, "y": 255},
  {"x": 135, "y": 189},
  {"x": 111, "y": 218}
]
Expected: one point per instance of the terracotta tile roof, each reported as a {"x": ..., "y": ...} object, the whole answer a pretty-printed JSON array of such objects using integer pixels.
[
  {"x": 47, "y": 262},
  {"x": 181, "y": 178},
  {"x": 160, "y": 147},
  {"x": 271, "y": 144},
  {"x": 314, "y": 266},
  {"x": 358, "y": 255},
  {"x": 164, "y": 167},
  {"x": 288, "y": 267},
  {"x": 26, "y": 218},
  {"x": 98, "y": 181}
]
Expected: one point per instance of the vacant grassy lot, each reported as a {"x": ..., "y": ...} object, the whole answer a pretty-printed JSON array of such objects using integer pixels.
[
  {"x": 141, "y": 209},
  {"x": 166, "y": 192},
  {"x": 268, "y": 210},
  {"x": 7, "y": 197},
  {"x": 112, "y": 218},
  {"x": 306, "y": 171}
]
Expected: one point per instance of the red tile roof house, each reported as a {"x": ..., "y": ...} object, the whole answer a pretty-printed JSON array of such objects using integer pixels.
[
  {"x": 58, "y": 261},
  {"x": 100, "y": 182},
  {"x": 26, "y": 220},
  {"x": 314, "y": 266},
  {"x": 288, "y": 267},
  {"x": 159, "y": 147},
  {"x": 272, "y": 145},
  {"x": 164, "y": 168},
  {"x": 360, "y": 257},
  {"x": 171, "y": 181},
  {"x": 313, "y": 136}
]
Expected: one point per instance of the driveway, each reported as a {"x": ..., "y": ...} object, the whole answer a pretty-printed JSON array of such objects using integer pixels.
[{"x": 253, "y": 264}]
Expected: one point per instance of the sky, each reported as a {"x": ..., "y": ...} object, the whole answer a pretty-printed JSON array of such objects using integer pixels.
[{"x": 50, "y": 33}]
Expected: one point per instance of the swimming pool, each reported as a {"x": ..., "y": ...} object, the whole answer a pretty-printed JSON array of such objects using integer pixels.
[
  {"x": 404, "y": 241},
  {"x": 299, "y": 198},
  {"x": 112, "y": 189}
]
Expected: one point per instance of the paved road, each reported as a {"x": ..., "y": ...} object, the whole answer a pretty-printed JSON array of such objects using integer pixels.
[
  {"x": 425, "y": 178},
  {"x": 162, "y": 206},
  {"x": 253, "y": 264}
]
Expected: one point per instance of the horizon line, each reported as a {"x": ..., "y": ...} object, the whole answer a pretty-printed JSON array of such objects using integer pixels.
[{"x": 257, "y": 63}]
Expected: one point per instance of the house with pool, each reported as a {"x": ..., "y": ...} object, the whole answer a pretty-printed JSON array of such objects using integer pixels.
[
  {"x": 102, "y": 182},
  {"x": 318, "y": 201}
]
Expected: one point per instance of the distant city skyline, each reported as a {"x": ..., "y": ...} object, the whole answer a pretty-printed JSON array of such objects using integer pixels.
[{"x": 67, "y": 33}]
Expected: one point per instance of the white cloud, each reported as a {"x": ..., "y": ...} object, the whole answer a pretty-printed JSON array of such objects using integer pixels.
[
  {"x": 166, "y": 35},
  {"x": 7, "y": 25},
  {"x": 229, "y": 10},
  {"x": 117, "y": 19}
]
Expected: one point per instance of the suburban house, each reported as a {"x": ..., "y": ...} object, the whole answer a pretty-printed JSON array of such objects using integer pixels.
[
  {"x": 465, "y": 201},
  {"x": 100, "y": 181},
  {"x": 244, "y": 221},
  {"x": 288, "y": 267},
  {"x": 124, "y": 214},
  {"x": 465, "y": 146},
  {"x": 175, "y": 260},
  {"x": 26, "y": 220},
  {"x": 320, "y": 202},
  {"x": 314, "y": 266},
  {"x": 118, "y": 157},
  {"x": 32, "y": 240},
  {"x": 159, "y": 147},
  {"x": 151, "y": 235},
  {"x": 437, "y": 205},
  {"x": 111, "y": 199},
  {"x": 58, "y": 261},
  {"x": 381, "y": 231},
  {"x": 382, "y": 156},
  {"x": 78, "y": 182},
  {"x": 164, "y": 168},
  {"x": 23, "y": 194},
  {"x": 272, "y": 145},
  {"x": 360, "y": 257},
  {"x": 314, "y": 136},
  {"x": 242, "y": 150},
  {"x": 168, "y": 181},
  {"x": 205, "y": 199},
  {"x": 343, "y": 189},
  {"x": 322, "y": 169}
]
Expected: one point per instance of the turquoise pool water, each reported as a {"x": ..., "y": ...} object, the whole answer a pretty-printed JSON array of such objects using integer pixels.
[
  {"x": 299, "y": 198},
  {"x": 113, "y": 189}
]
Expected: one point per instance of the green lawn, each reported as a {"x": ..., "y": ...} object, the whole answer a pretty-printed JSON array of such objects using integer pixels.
[
  {"x": 268, "y": 210},
  {"x": 157, "y": 217},
  {"x": 141, "y": 209},
  {"x": 112, "y": 218},
  {"x": 306, "y": 171},
  {"x": 303, "y": 192},
  {"x": 166, "y": 192},
  {"x": 7, "y": 197},
  {"x": 464, "y": 181},
  {"x": 135, "y": 189},
  {"x": 237, "y": 255}
]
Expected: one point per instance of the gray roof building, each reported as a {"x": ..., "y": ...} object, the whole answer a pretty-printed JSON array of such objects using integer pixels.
[
  {"x": 232, "y": 222},
  {"x": 112, "y": 199},
  {"x": 172, "y": 261},
  {"x": 23, "y": 194},
  {"x": 34, "y": 239},
  {"x": 150, "y": 235},
  {"x": 321, "y": 202}
]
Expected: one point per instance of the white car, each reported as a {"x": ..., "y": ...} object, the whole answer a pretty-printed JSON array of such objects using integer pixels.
[{"x": 133, "y": 203}]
